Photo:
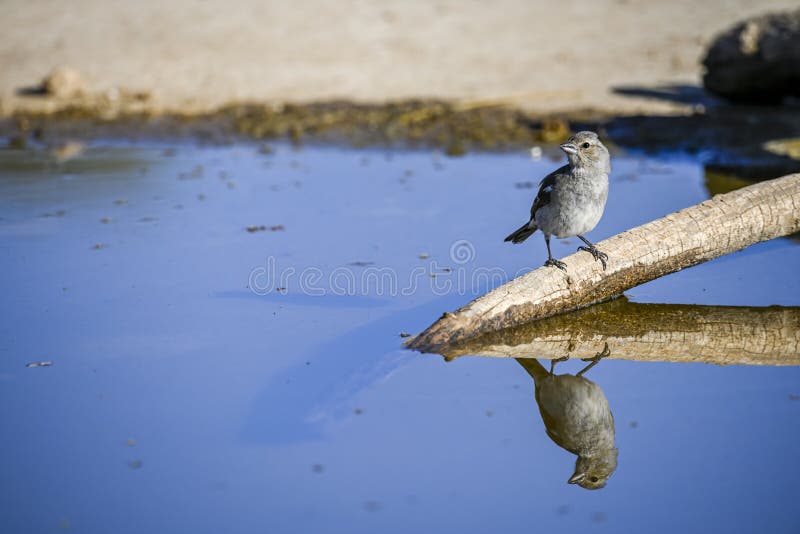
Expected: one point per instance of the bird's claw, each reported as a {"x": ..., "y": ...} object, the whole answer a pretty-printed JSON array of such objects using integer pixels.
[
  {"x": 599, "y": 356},
  {"x": 554, "y": 361},
  {"x": 602, "y": 257},
  {"x": 552, "y": 262}
]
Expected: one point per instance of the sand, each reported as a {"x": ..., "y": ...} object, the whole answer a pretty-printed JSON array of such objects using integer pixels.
[{"x": 543, "y": 56}]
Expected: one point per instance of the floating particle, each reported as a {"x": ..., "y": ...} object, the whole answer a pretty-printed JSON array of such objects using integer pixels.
[{"x": 39, "y": 364}]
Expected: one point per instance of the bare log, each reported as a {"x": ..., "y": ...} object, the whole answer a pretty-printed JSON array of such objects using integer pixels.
[
  {"x": 723, "y": 335},
  {"x": 724, "y": 224}
]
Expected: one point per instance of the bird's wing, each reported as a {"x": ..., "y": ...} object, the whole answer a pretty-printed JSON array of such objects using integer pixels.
[{"x": 546, "y": 188}]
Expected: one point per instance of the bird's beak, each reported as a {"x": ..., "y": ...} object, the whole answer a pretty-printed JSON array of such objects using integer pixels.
[
  {"x": 577, "y": 477},
  {"x": 569, "y": 148}
]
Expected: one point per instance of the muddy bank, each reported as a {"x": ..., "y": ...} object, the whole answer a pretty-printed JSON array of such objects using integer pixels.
[{"x": 751, "y": 142}]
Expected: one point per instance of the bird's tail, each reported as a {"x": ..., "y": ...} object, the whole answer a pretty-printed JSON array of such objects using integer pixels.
[
  {"x": 534, "y": 368},
  {"x": 523, "y": 233}
]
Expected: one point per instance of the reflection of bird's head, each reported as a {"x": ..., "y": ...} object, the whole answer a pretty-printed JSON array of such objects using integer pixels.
[
  {"x": 592, "y": 472},
  {"x": 585, "y": 150}
]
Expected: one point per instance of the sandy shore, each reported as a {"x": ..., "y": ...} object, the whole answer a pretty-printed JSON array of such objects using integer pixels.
[{"x": 543, "y": 56}]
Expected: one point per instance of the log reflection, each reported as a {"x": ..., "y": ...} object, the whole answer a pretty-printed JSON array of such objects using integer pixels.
[{"x": 724, "y": 335}]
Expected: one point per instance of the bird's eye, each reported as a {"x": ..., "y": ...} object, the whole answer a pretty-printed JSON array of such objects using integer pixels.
[
  {"x": 585, "y": 145},
  {"x": 593, "y": 479}
]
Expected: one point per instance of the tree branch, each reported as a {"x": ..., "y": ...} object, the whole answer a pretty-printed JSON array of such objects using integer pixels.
[{"x": 724, "y": 224}]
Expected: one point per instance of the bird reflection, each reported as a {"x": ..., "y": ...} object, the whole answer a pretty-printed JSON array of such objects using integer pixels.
[{"x": 577, "y": 418}]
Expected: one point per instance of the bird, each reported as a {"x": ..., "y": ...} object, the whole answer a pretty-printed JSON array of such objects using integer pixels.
[
  {"x": 577, "y": 418},
  {"x": 571, "y": 200}
]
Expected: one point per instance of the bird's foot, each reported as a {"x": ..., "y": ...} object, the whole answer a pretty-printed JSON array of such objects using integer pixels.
[
  {"x": 552, "y": 262},
  {"x": 599, "y": 356},
  {"x": 554, "y": 361},
  {"x": 602, "y": 257}
]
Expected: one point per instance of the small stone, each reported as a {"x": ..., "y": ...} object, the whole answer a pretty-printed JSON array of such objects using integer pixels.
[{"x": 64, "y": 82}]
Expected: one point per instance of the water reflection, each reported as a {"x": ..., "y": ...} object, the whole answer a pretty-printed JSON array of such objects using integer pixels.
[
  {"x": 723, "y": 335},
  {"x": 577, "y": 418}
]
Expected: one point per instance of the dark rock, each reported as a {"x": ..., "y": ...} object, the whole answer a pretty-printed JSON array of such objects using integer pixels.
[{"x": 758, "y": 60}]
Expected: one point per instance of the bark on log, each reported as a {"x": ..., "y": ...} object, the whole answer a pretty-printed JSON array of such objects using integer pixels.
[
  {"x": 723, "y": 335},
  {"x": 724, "y": 224}
]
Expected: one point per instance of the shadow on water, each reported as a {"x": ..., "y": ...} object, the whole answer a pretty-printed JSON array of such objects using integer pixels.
[{"x": 745, "y": 141}]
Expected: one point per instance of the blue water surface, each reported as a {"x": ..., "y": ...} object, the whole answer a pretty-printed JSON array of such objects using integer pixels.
[{"x": 206, "y": 378}]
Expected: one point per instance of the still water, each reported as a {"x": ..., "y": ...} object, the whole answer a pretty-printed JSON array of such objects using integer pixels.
[{"x": 224, "y": 330}]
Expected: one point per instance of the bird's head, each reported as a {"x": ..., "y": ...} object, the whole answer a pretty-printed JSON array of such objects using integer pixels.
[
  {"x": 584, "y": 150},
  {"x": 592, "y": 472}
]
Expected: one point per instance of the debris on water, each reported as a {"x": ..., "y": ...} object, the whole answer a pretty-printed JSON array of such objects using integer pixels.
[
  {"x": 201, "y": 196},
  {"x": 794, "y": 397},
  {"x": 45, "y": 363},
  {"x": 358, "y": 411},
  {"x": 599, "y": 517},
  {"x": 405, "y": 334},
  {"x": 280, "y": 289},
  {"x": 105, "y": 220},
  {"x": 372, "y": 506},
  {"x": 120, "y": 202},
  {"x": 18, "y": 142},
  {"x": 195, "y": 174},
  {"x": 67, "y": 151},
  {"x": 361, "y": 263},
  {"x": 130, "y": 442},
  {"x": 57, "y": 213},
  {"x": 489, "y": 413},
  {"x": 633, "y": 424},
  {"x": 317, "y": 468},
  {"x": 266, "y": 149},
  {"x": 148, "y": 219},
  {"x": 135, "y": 464},
  {"x": 536, "y": 153},
  {"x": 264, "y": 228},
  {"x": 424, "y": 256},
  {"x": 98, "y": 246}
]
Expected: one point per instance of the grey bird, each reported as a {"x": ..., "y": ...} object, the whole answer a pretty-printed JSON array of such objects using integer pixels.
[
  {"x": 577, "y": 418},
  {"x": 571, "y": 200}
]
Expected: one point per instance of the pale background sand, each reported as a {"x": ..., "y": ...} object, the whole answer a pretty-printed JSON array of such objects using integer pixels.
[{"x": 542, "y": 55}]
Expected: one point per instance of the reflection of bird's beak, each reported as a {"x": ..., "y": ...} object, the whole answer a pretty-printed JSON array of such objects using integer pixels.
[
  {"x": 569, "y": 148},
  {"x": 577, "y": 477}
]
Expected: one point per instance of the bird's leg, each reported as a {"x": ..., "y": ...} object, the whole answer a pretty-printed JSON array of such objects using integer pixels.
[
  {"x": 594, "y": 360},
  {"x": 551, "y": 261},
  {"x": 554, "y": 361},
  {"x": 602, "y": 257}
]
